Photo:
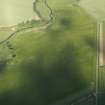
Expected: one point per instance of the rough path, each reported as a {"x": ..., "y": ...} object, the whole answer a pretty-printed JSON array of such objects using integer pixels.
[
  {"x": 101, "y": 45},
  {"x": 100, "y": 58}
]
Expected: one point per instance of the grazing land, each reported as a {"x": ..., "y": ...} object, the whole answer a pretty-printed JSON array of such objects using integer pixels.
[
  {"x": 50, "y": 61},
  {"x": 15, "y": 11}
]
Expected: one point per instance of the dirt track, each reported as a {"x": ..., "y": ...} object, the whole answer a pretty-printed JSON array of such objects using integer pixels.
[{"x": 101, "y": 45}]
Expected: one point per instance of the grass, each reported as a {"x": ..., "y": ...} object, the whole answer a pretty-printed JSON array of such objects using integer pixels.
[
  {"x": 53, "y": 63},
  {"x": 12, "y": 12},
  {"x": 4, "y": 33},
  {"x": 96, "y": 9}
]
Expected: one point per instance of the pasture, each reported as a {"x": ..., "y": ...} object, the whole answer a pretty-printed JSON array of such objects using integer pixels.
[{"x": 53, "y": 65}]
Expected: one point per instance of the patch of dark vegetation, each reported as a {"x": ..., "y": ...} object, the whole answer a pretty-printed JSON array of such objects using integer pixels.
[
  {"x": 2, "y": 65},
  {"x": 13, "y": 55},
  {"x": 101, "y": 98},
  {"x": 91, "y": 42},
  {"x": 47, "y": 79},
  {"x": 9, "y": 45},
  {"x": 65, "y": 23},
  {"x": 60, "y": 26}
]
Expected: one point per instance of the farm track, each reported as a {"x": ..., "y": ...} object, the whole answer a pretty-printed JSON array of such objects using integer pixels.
[{"x": 101, "y": 45}]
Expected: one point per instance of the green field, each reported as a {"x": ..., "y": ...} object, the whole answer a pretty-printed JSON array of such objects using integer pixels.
[
  {"x": 97, "y": 10},
  {"x": 15, "y": 11},
  {"x": 94, "y": 7},
  {"x": 51, "y": 66}
]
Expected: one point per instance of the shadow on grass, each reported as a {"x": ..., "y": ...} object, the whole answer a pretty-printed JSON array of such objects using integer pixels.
[
  {"x": 91, "y": 42},
  {"x": 44, "y": 83},
  {"x": 101, "y": 98},
  {"x": 52, "y": 75},
  {"x": 2, "y": 65}
]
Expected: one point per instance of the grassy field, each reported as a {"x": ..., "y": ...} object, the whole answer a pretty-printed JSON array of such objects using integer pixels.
[
  {"x": 13, "y": 11},
  {"x": 96, "y": 9},
  {"x": 51, "y": 64}
]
